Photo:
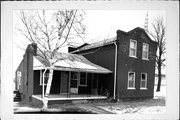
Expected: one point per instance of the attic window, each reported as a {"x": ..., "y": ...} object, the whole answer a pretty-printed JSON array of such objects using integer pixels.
[{"x": 133, "y": 48}]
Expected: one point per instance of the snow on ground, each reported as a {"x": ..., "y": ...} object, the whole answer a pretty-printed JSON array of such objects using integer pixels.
[
  {"x": 120, "y": 109},
  {"x": 19, "y": 107},
  {"x": 157, "y": 105},
  {"x": 150, "y": 106}
]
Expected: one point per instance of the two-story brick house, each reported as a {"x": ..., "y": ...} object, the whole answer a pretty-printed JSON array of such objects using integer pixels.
[{"x": 131, "y": 56}]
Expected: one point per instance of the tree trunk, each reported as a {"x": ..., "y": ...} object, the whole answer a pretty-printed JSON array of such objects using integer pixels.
[
  {"x": 159, "y": 78},
  {"x": 48, "y": 88}
]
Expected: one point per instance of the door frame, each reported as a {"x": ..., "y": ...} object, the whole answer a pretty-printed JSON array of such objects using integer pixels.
[
  {"x": 62, "y": 73},
  {"x": 74, "y": 90}
]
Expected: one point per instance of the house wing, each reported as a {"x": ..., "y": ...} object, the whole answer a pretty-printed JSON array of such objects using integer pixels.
[
  {"x": 96, "y": 44},
  {"x": 79, "y": 63},
  {"x": 69, "y": 62}
]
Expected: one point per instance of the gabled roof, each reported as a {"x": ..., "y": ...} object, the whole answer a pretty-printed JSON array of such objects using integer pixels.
[
  {"x": 110, "y": 40},
  {"x": 69, "y": 62},
  {"x": 138, "y": 28},
  {"x": 97, "y": 44}
]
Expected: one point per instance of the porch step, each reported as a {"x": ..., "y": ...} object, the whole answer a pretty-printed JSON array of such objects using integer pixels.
[{"x": 79, "y": 101}]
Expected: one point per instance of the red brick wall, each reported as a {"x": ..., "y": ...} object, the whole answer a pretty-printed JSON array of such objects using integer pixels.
[
  {"x": 105, "y": 58},
  {"x": 137, "y": 65}
]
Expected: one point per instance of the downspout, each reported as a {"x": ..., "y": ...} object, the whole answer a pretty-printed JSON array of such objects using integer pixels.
[
  {"x": 115, "y": 70},
  {"x": 43, "y": 83}
]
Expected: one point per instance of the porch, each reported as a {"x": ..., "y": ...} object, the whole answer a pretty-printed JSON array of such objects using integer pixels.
[
  {"x": 52, "y": 97},
  {"x": 74, "y": 78},
  {"x": 70, "y": 76},
  {"x": 37, "y": 100}
]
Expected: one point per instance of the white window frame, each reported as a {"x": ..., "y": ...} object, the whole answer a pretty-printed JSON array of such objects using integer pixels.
[
  {"x": 80, "y": 79},
  {"x": 41, "y": 78},
  {"x": 145, "y": 44},
  {"x": 130, "y": 55},
  {"x": 133, "y": 80},
  {"x": 143, "y": 88}
]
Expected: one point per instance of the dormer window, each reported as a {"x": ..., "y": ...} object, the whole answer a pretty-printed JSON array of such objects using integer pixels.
[
  {"x": 133, "y": 48},
  {"x": 145, "y": 51}
]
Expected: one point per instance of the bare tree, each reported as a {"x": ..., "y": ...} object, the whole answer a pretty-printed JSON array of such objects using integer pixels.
[
  {"x": 51, "y": 30},
  {"x": 158, "y": 35}
]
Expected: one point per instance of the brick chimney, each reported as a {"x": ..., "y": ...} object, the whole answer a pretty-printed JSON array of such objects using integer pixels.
[
  {"x": 31, "y": 51},
  {"x": 32, "y": 48}
]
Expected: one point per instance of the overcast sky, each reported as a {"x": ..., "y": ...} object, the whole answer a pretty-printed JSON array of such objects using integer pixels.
[{"x": 100, "y": 24}]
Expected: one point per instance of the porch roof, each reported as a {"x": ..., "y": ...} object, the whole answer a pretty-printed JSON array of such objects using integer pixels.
[{"x": 69, "y": 62}]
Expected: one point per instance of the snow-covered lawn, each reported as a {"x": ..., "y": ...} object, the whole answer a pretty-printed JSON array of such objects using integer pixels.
[
  {"x": 157, "y": 105},
  {"x": 19, "y": 107}
]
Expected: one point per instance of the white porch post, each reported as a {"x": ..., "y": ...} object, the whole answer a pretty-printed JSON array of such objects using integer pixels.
[
  {"x": 115, "y": 71},
  {"x": 43, "y": 83},
  {"x": 44, "y": 100}
]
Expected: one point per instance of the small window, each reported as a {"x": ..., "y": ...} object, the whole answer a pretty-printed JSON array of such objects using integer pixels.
[
  {"x": 46, "y": 76},
  {"x": 19, "y": 79},
  {"x": 133, "y": 48},
  {"x": 131, "y": 80},
  {"x": 143, "y": 81},
  {"x": 145, "y": 51},
  {"x": 83, "y": 79},
  {"x": 19, "y": 75}
]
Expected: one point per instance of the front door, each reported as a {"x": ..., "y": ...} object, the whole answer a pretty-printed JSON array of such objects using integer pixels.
[
  {"x": 74, "y": 82},
  {"x": 64, "y": 82}
]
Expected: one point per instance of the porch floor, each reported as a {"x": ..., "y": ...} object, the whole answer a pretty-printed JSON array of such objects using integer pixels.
[{"x": 70, "y": 97}]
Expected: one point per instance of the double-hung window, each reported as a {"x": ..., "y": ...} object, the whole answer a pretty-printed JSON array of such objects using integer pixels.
[
  {"x": 83, "y": 79},
  {"x": 46, "y": 76},
  {"x": 133, "y": 48},
  {"x": 74, "y": 79},
  {"x": 131, "y": 80},
  {"x": 143, "y": 81},
  {"x": 145, "y": 51}
]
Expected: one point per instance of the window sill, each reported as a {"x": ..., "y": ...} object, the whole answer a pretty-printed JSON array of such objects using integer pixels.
[
  {"x": 143, "y": 88},
  {"x": 83, "y": 85},
  {"x": 131, "y": 88},
  {"x": 145, "y": 59},
  {"x": 133, "y": 56}
]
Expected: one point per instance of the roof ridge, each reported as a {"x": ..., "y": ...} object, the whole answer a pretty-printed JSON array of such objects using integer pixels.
[{"x": 97, "y": 44}]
